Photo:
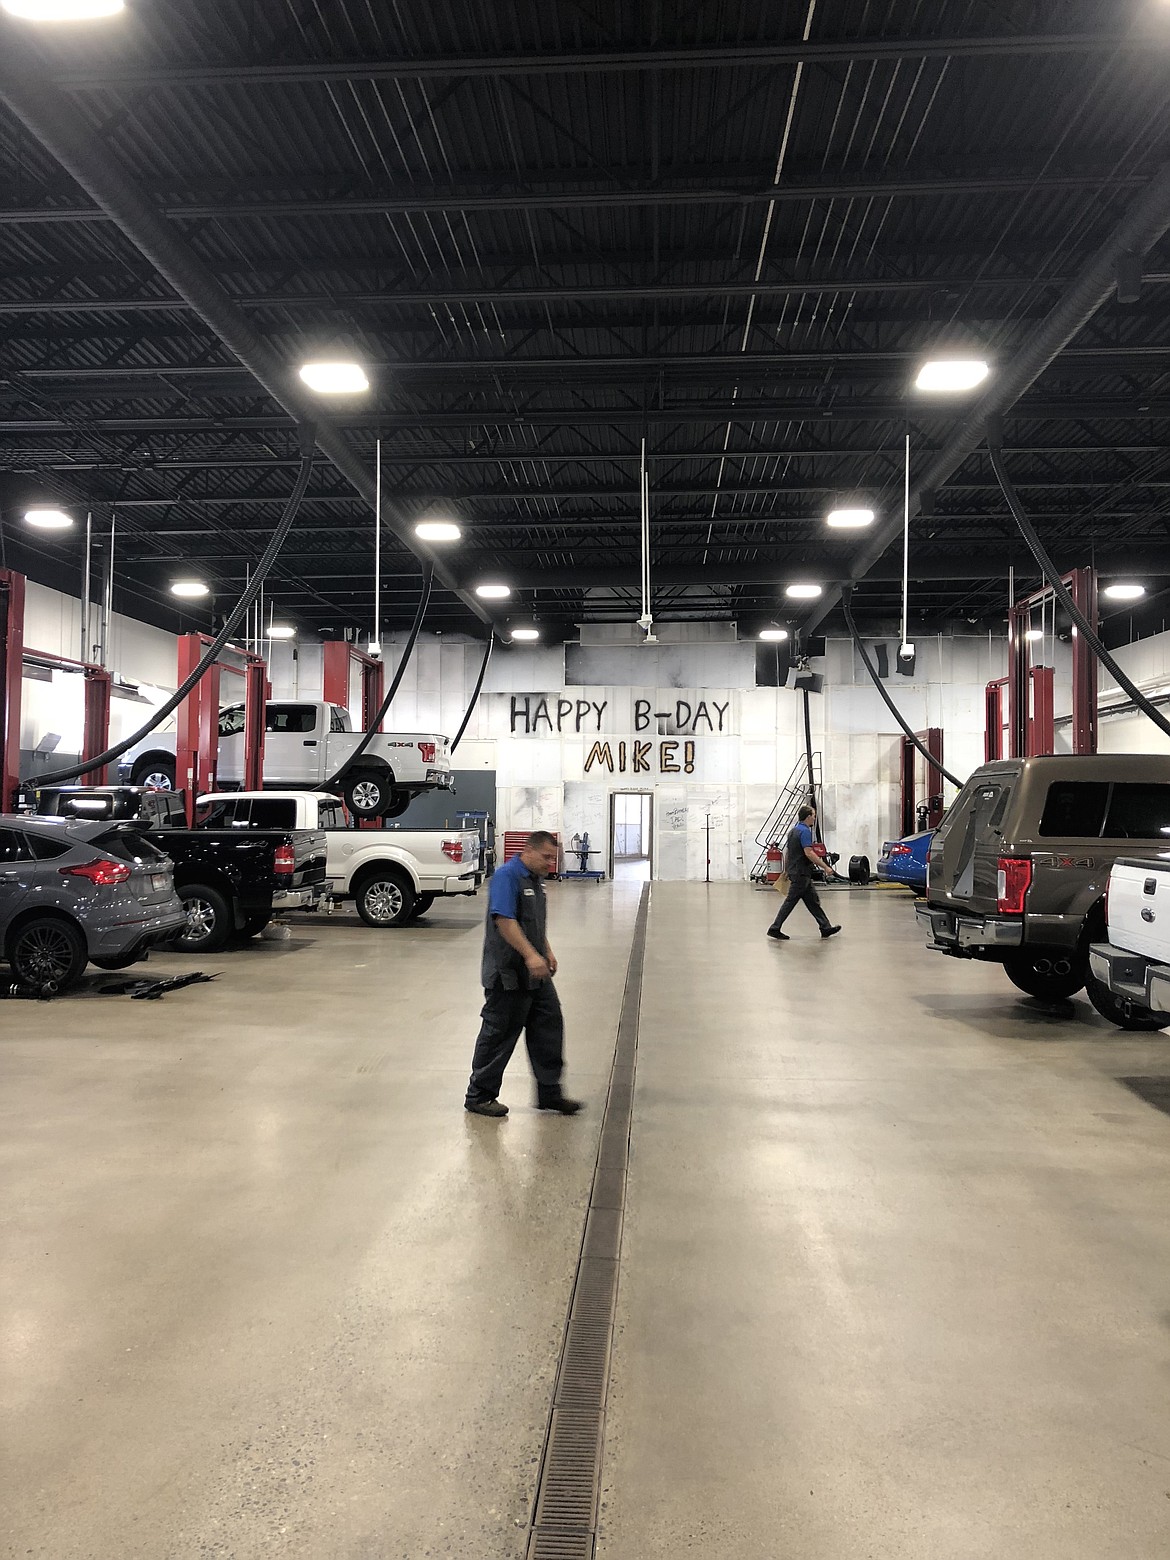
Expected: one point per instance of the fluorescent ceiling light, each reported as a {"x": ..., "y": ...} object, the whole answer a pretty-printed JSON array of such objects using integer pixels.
[
  {"x": 773, "y": 636},
  {"x": 526, "y": 633},
  {"x": 62, "y": 10},
  {"x": 47, "y": 519},
  {"x": 849, "y": 519},
  {"x": 493, "y": 592},
  {"x": 189, "y": 589},
  {"x": 437, "y": 531},
  {"x": 281, "y": 631},
  {"x": 1033, "y": 634},
  {"x": 335, "y": 378},
  {"x": 1125, "y": 592},
  {"x": 951, "y": 374},
  {"x": 803, "y": 592}
]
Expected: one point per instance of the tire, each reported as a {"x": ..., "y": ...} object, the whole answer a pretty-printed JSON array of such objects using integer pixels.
[
  {"x": 399, "y": 802},
  {"x": 209, "y": 920},
  {"x": 254, "y": 925},
  {"x": 47, "y": 951},
  {"x": 368, "y": 793},
  {"x": 1048, "y": 973},
  {"x": 384, "y": 898},
  {"x": 158, "y": 774},
  {"x": 1121, "y": 1011},
  {"x": 422, "y": 904}
]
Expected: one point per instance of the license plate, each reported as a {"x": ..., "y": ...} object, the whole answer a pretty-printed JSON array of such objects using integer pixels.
[{"x": 158, "y": 882}]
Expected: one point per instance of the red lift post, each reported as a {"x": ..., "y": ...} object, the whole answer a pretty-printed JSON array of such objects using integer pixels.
[
  {"x": 931, "y": 776},
  {"x": 197, "y": 742},
  {"x": 13, "y": 654},
  {"x": 1031, "y": 725},
  {"x": 337, "y": 659}
]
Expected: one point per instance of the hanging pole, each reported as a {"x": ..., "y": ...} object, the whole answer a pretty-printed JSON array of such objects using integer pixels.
[
  {"x": 108, "y": 594},
  {"x": 375, "y": 636},
  {"x": 906, "y": 554},
  {"x": 85, "y": 588}
]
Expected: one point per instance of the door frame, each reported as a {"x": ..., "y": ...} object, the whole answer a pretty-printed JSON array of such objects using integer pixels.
[{"x": 650, "y": 835}]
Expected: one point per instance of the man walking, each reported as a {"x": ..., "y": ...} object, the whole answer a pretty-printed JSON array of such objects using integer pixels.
[
  {"x": 803, "y": 865},
  {"x": 518, "y": 970}
]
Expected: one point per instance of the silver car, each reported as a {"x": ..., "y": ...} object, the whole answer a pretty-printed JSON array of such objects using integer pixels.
[{"x": 73, "y": 890}]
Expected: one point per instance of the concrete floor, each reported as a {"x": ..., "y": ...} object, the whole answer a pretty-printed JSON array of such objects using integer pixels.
[{"x": 894, "y": 1279}]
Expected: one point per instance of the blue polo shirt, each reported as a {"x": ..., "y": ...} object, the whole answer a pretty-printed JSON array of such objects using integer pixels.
[{"x": 518, "y": 895}]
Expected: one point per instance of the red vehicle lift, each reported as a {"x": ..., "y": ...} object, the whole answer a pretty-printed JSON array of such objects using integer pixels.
[
  {"x": 339, "y": 656},
  {"x": 13, "y": 654},
  {"x": 915, "y": 769},
  {"x": 1030, "y": 727},
  {"x": 197, "y": 743}
]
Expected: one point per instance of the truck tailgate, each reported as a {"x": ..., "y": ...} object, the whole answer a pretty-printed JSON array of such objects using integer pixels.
[{"x": 1139, "y": 908}]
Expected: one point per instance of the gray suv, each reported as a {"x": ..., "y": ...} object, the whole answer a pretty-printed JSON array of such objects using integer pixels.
[
  {"x": 72, "y": 891},
  {"x": 1018, "y": 867}
]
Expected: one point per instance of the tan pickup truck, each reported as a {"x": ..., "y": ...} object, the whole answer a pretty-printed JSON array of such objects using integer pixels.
[{"x": 1018, "y": 867}]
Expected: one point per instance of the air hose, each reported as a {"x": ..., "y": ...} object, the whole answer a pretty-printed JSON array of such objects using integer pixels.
[
  {"x": 412, "y": 639},
  {"x": 1057, "y": 586},
  {"x": 881, "y": 688},
  {"x": 212, "y": 653},
  {"x": 475, "y": 692}
]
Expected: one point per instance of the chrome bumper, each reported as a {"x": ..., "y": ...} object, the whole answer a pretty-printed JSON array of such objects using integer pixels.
[
  {"x": 949, "y": 931},
  {"x": 302, "y": 898},
  {"x": 1131, "y": 975}
]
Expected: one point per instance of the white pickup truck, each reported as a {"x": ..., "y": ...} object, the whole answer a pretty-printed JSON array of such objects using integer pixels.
[
  {"x": 306, "y": 744},
  {"x": 392, "y": 875},
  {"x": 1129, "y": 975}
]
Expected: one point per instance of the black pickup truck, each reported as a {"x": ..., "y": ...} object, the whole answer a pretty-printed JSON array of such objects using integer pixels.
[{"x": 231, "y": 881}]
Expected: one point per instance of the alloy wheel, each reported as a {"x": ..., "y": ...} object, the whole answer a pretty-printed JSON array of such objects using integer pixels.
[
  {"x": 367, "y": 796},
  {"x": 383, "y": 900},
  {"x": 44, "y": 955},
  {"x": 200, "y": 920}
]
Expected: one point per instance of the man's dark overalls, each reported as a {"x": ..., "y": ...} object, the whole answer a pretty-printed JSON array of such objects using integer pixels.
[{"x": 513, "y": 1000}]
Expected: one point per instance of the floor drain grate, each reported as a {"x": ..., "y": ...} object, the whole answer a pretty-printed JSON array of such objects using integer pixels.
[
  {"x": 1155, "y": 1091},
  {"x": 565, "y": 1518}
]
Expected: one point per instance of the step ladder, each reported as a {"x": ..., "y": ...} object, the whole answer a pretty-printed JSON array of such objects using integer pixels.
[{"x": 792, "y": 798}]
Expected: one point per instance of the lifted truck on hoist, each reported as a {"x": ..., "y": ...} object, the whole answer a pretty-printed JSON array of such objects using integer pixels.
[{"x": 308, "y": 745}]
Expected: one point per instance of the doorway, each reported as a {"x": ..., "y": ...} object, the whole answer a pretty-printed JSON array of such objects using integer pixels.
[{"x": 631, "y": 836}]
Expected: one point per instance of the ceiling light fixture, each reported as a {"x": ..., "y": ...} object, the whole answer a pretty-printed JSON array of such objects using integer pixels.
[
  {"x": 803, "y": 592},
  {"x": 63, "y": 10},
  {"x": 335, "y": 378},
  {"x": 849, "y": 519},
  {"x": 189, "y": 590},
  {"x": 773, "y": 636},
  {"x": 1033, "y": 634},
  {"x": 437, "y": 531},
  {"x": 48, "y": 519},
  {"x": 493, "y": 592},
  {"x": 951, "y": 375},
  {"x": 525, "y": 634},
  {"x": 281, "y": 631},
  {"x": 1123, "y": 592}
]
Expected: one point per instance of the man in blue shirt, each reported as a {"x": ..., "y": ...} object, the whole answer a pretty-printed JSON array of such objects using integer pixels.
[
  {"x": 518, "y": 970},
  {"x": 803, "y": 865}
]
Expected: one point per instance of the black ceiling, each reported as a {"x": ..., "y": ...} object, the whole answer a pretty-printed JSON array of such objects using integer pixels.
[{"x": 554, "y": 229}]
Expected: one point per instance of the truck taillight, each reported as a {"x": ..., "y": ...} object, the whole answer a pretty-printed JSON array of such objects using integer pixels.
[
  {"x": 285, "y": 860},
  {"x": 427, "y": 750},
  {"x": 453, "y": 850},
  {"x": 1013, "y": 881},
  {"x": 104, "y": 873}
]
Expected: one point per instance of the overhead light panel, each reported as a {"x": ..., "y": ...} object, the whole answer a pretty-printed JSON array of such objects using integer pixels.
[
  {"x": 335, "y": 378},
  {"x": 281, "y": 631},
  {"x": 950, "y": 375},
  {"x": 493, "y": 592},
  {"x": 803, "y": 592},
  {"x": 437, "y": 531},
  {"x": 849, "y": 519},
  {"x": 48, "y": 519},
  {"x": 1122, "y": 592},
  {"x": 773, "y": 636},
  {"x": 1034, "y": 634},
  {"x": 189, "y": 590},
  {"x": 524, "y": 634},
  {"x": 63, "y": 10}
]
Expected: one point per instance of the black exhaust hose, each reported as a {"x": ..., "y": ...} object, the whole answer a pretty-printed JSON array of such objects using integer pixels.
[
  {"x": 368, "y": 736},
  {"x": 881, "y": 688},
  {"x": 808, "y": 760},
  {"x": 211, "y": 654},
  {"x": 487, "y": 655},
  {"x": 1057, "y": 586}
]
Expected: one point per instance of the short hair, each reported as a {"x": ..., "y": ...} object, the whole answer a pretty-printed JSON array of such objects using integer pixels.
[
  {"x": 539, "y": 839},
  {"x": 805, "y": 812}
]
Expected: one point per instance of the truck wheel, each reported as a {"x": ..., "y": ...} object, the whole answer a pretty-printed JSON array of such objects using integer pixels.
[
  {"x": 367, "y": 794},
  {"x": 254, "y": 925},
  {"x": 157, "y": 774},
  {"x": 1121, "y": 1011},
  {"x": 384, "y": 898},
  {"x": 1052, "y": 975},
  {"x": 422, "y": 904},
  {"x": 209, "y": 919},
  {"x": 47, "y": 951}
]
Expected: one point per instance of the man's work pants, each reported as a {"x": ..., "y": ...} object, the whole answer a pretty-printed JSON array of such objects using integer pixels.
[
  {"x": 505, "y": 1014},
  {"x": 812, "y": 902}
]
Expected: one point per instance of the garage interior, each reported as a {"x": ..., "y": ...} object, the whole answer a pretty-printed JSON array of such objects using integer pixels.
[{"x": 702, "y": 371}]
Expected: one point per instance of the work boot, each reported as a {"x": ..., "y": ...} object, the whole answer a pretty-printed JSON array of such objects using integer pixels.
[
  {"x": 560, "y": 1103},
  {"x": 485, "y": 1107},
  {"x": 779, "y": 936},
  {"x": 830, "y": 931}
]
